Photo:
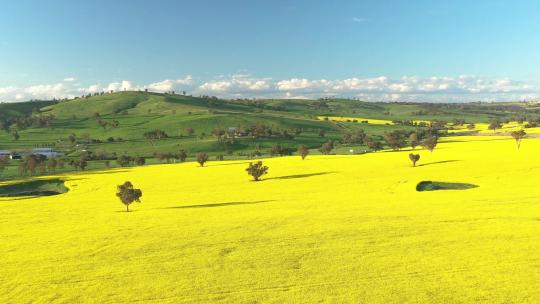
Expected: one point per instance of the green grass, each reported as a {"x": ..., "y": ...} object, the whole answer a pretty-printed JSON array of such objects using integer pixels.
[{"x": 139, "y": 112}]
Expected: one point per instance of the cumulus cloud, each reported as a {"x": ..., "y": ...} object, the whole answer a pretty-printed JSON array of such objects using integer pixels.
[
  {"x": 170, "y": 85},
  {"x": 237, "y": 85},
  {"x": 464, "y": 88}
]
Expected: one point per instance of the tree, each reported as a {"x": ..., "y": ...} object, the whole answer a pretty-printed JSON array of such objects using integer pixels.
[
  {"x": 413, "y": 140},
  {"x": 51, "y": 164},
  {"x": 303, "y": 151},
  {"x": 373, "y": 144},
  {"x": 356, "y": 137},
  {"x": 124, "y": 160},
  {"x": 190, "y": 131},
  {"x": 494, "y": 125},
  {"x": 218, "y": 133},
  {"x": 127, "y": 194},
  {"x": 396, "y": 139},
  {"x": 327, "y": 147},
  {"x": 140, "y": 161},
  {"x": 257, "y": 170},
  {"x": 471, "y": 126},
  {"x": 182, "y": 155},
  {"x": 72, "y": 138},
  {"x": 31, "y": 163},
  {"x": 151, "y": 136},
  {"x": 518, "y": 136},
  {"x": 430, "y": 143},
  {"x": 202, "y": 158},
  {"x": 414, "y": 158},
  {"x": 276, "y": 150},
  {"x": 322, "y": 133},
  {"x": 4, "y": 161}
]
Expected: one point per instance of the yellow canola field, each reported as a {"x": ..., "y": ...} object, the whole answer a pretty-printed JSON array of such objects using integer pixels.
[
  {"x": 369, "y": 120},
  {"x": 483, "y": 129},
  {"x": 334, "y": 229}
]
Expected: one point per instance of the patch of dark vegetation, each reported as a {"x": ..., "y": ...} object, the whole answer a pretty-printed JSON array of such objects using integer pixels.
[
  {"x": 46, "y": 187},
  {"x": 432, "y": 186}
]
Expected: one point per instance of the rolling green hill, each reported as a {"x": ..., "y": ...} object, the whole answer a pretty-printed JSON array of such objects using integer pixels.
[{"x": 114, "y": 124}]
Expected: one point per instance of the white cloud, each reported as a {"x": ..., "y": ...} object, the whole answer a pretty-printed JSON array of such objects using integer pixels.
[
  {"x": 408, "y": 88},
  {"x": 46, "y": 91},
  {"x": 70, "y": 79},
  {"x": 170, "y": 85},
  {"x": 236, "y": 84},
  {"x": 360, "y": 19}
]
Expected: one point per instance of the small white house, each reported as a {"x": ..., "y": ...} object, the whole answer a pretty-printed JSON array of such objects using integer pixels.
[
  {"x": 5, "y": 153},
  {"x": 48, "y": 152}
]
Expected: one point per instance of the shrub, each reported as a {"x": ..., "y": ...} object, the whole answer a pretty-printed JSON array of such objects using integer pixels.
[
  {"x": 127, "y": 194},
  {"x": 257, "y": 170}
]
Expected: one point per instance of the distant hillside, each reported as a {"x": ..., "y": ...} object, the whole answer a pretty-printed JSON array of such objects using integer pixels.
[{"x": 109, "y": 125}]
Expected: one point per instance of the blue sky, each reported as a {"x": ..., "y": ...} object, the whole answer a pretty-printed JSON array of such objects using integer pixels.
[{"x": 375, "y": 50}]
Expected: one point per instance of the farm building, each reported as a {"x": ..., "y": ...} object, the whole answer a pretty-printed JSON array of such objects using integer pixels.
[{"x": 48, "y": 152}]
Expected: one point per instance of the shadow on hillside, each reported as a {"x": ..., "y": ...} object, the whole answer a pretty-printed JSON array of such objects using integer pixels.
[
  {"x": 439, "y": 162},
  {"x": 212, "y": 205},
  {"x": 299, "y": 175}
]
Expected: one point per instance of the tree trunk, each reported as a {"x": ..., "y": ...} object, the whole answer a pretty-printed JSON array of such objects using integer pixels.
[{"x": 127, "y": 207}]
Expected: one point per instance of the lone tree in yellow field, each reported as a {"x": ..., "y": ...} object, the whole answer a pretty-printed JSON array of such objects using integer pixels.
[
  {"x": 303, "y": 151},
  {"x": 257, "y": 170},
  {"x": 127, "y": 194},
  {"x": 518, "y": 136},
  {"x": 202, "y": 158},
  {"x": 414, "y": 158}
]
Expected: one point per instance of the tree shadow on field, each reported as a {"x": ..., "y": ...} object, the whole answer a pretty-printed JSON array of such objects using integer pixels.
[
  {"x": 300, "y": 175},
  {"x": 439, "y": 162},
  {"x": 212, "y": 205}
]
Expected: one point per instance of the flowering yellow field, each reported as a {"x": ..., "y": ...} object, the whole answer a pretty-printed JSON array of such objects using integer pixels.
[
  {"x": 480, "y": 128},
  {"x": 335, "y": 229},
  {"x": 369, "y": 120}
]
